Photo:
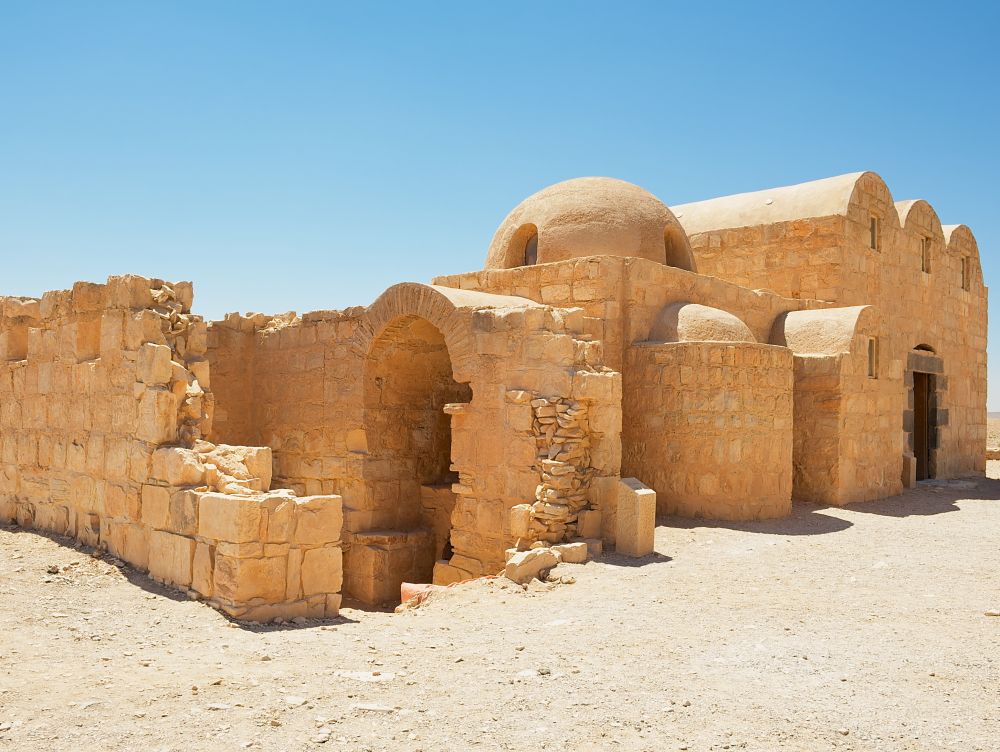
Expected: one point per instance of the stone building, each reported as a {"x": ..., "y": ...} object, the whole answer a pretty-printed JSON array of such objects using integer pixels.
[{"x": 819, "y": 342}]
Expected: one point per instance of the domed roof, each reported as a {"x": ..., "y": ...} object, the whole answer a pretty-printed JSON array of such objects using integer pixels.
[
  {"x": 590, "y": 217},
  {"x": 691, "y": 322}
]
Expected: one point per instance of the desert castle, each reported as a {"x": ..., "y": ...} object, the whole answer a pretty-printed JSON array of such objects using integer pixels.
[{"x": 820, "y": 342}]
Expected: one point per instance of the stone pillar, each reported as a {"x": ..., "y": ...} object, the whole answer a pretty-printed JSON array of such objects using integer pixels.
[{"x": 635, "y": 519}]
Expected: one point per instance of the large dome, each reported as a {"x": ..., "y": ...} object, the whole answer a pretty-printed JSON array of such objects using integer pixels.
[{"x": 589, "y": 217}]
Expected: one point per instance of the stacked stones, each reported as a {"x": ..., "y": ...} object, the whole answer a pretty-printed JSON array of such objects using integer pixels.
[
  {"x": 561, "y": 430},
  {"x": 186, "y": 335}
]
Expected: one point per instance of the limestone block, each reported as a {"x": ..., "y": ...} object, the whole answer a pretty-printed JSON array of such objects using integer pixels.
[
  {"x": 318, "y": 520},
  {"x": 240, "y": 580},
  {"x": 183, "y": 517},
  {"x": 446, "y": 574},
  {"x": 571, "y": 553},
  {"x": 155, "y": 506},
  {"x": 170, "y": 558},
  {"x": 293, "y": 574},
  {"x": 520, "y": 520},
  {"x": 332, "y": 605},
  {"x": 177, "y": 466},
  {"x": 158, "y": 416},
  {"x": 236, "y": 519},
  {"x": 322, "y": 570},
  {"x": 280, "y": 518},
  {"x": 635, "y": 518},
  {"x": 588, "y": 523},
  {"x": 524, "y": 566},
  {"x": 595, "y": 547},
  {"x": 137, "y": 545},
  {"x": 202, "y": 570},
  {"x": 154, "y": 364}
]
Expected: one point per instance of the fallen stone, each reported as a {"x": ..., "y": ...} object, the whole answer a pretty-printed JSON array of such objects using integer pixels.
[
  {"x": 525, "y": 566},
  {"x": 572, "y": 553}
]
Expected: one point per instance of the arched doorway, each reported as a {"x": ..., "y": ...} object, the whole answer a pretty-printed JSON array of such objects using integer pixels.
[{"x": 407, "y": 381}]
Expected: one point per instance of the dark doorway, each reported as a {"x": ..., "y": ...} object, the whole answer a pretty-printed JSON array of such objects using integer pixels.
[{"x": 921, "y": 423}]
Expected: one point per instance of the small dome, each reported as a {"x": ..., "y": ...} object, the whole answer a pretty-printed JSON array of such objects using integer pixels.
[
  {"x": 589, "y": 217},
  {"x": 690, "y": 322}
]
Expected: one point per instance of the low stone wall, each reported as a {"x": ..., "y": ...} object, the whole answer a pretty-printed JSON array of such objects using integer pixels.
[
  {"x": 104, "y": 400},
  {"x": 708, "y": 426}
]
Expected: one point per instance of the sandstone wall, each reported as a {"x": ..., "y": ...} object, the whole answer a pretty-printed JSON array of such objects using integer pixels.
[
  {"x": 708, "y": 426},
  {"x": 104, "y": 403},
  {"x": 426, "y": 388},
  {"x": 621, "y": 297},
  {"x": 800, "y": 259},
  {"x": 830, "y": 258}
]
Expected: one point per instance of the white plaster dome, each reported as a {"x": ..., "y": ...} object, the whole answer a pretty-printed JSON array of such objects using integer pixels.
[
  {"x": 589, "y": 217},
  {"x": 691, "y": 322}
]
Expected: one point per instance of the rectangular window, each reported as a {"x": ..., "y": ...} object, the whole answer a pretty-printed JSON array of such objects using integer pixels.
[
  {"x": 874, "y": 234},
  {"x": 873, "y": 357},
  {"x": 966, "y": 274},
  {"x": 925, "y": 255}
]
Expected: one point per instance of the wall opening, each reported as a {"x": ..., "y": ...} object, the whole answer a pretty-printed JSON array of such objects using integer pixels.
[
  {"x": 523, "y": 247},
  {"x": 925, "y": 414},
  {"x": 875, "y": 233},
  {"x": 408, "y": 381},
  {"x": 676, "y": 249},
  {"x": 873, "y": 357},
  {"x": 966, "y": 274},
  {"x": 925, "y": 255},
  {"x": 921, "y": 425}
]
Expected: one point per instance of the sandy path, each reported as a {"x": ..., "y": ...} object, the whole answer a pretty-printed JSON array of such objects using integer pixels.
[{"x": 853, "y": 629}]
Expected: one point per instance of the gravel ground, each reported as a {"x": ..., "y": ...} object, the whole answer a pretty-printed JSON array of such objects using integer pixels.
[{"x": 863, "y": 628}]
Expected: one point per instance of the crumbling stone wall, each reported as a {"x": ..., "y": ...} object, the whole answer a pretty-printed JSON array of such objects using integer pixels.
[
  {"x": 710, "y": 427},
  {"x": 339, "y": 405},
  {"x": 104, "y": 403}
]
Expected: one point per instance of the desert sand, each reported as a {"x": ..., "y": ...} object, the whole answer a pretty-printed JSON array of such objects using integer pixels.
[{"x": 862, "y": 628}]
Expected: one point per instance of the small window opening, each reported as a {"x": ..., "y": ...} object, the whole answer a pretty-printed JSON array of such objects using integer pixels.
[
  {"x": 875, "y": 233},
  {"x": 966, "y": 274},
  {"x": 873, "y": 357},
  {"x": 925, "y": 255},
  {"x": 531, "y": 250}
]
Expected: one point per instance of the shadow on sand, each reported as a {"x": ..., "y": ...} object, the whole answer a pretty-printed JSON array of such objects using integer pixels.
[
  {"x": 805, "y": 519},
  {"x": 143, "y": 581},
  {"x": 931, "y": 497}
]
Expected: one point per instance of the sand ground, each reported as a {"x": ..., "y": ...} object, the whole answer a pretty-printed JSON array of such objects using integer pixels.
[{"x": 862, "y": 628}]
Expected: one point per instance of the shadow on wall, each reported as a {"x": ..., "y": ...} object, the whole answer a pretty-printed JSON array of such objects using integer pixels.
[{"x": 805, "y": 519}]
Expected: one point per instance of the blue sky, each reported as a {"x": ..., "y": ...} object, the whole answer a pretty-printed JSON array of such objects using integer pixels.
[{"x": 307, "y": 155}]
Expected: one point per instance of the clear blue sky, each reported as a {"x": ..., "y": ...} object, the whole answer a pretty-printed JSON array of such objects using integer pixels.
[{"x": 306, "y": 155}]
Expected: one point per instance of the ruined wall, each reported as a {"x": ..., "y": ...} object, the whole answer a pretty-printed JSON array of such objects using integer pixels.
[
  {"x": 345, "y": 409},
  {"x": 104, "y": 401},
  {"x": 708, "y": 426}
]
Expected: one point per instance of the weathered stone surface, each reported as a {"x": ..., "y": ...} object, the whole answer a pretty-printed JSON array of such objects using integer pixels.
[
  {"x": 234, "y": 519},
  {"x": 636, "y": 518},
  {"x": 571, "y": 553},
  {"x": 524, "y": 566}
]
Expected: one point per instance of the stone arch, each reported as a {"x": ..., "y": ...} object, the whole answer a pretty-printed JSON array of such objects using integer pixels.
[
  {"x": 677, "y": 247},
  {"x": 415, "y": 348},
  {"x": 823, "y": 331}
]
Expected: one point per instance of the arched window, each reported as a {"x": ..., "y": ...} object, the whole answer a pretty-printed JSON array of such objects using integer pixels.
[{"x": 531, "y": 250}]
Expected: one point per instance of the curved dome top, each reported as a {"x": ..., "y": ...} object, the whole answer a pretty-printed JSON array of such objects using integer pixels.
[
  {"x": 589, "y": 217},
  {"x": 692, "y": 322}
]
